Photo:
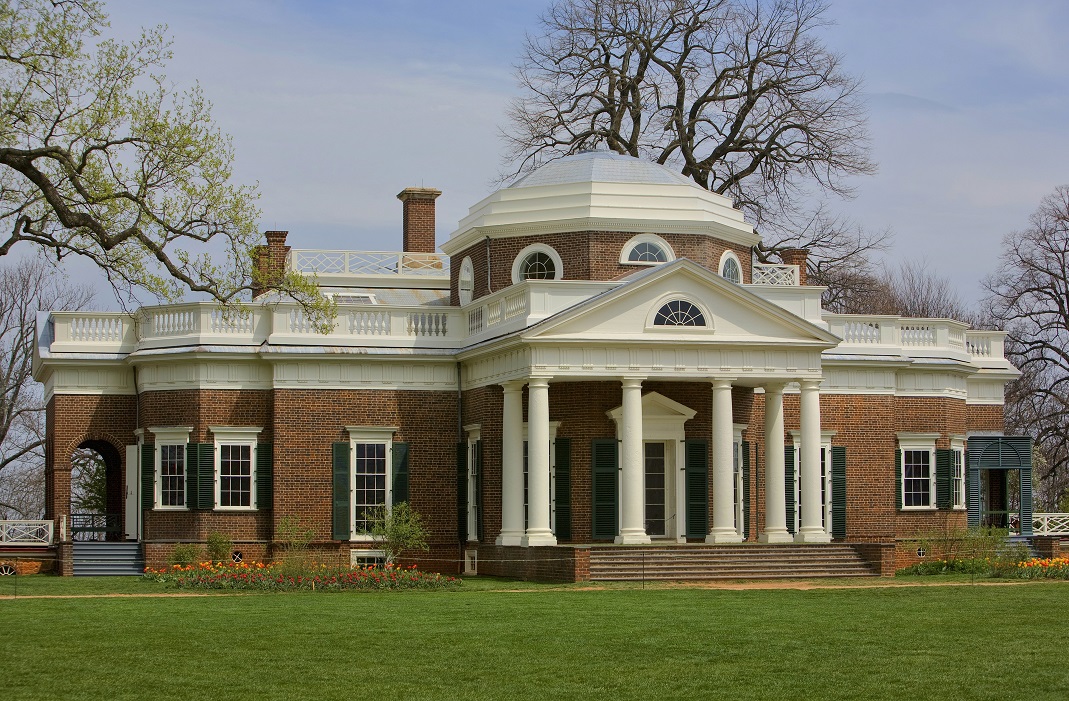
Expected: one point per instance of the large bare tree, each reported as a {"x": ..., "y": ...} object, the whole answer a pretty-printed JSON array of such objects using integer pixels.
[
  {"x": 1029, "y": 297},
  {"x": 741, "y": 95},
  {"x": 102, "y": 159},
  {"x": 26, "y": 287}
]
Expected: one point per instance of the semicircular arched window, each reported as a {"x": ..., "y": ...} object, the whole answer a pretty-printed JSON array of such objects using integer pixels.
[
  {"x": 731, "y": 271},
  {"x": 647, "y": 252},
  {"x": 679, "y": 312},
  {"x": 538, "y": 266}
]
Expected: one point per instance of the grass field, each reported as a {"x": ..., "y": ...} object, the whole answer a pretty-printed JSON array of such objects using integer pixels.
[{"x": 492, "y": 640}]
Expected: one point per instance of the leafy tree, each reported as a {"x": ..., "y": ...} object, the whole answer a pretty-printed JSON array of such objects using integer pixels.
[
  {"x": 397, "y": 529},
  {"x": 89, "y": 482},
  {"x": 740, "y": 95},
  {"x": 1029, "y": 297},
  {"x": 102, "y": 159},
  {"x": 26, "y": 287}
]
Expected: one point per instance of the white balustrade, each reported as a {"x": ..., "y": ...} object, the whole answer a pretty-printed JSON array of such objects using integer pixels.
[
  {"x": 779, "y": 275},
  {"x": 368, "y": 263},
  {"x": 427, "y": 323},
  {"x": 96, "y": 329},
  {"x": 230, "y": 321},
  {"x": 18, "y": 532},
  {"x": 1050, "y": 524},
  {"x": 861, "y": 332},
  {"x": 364, "y": 322},
  {"x": 913, "y": 334},
  {"x": 515, "y": 305},
  {"x": 475, "y": 321}
]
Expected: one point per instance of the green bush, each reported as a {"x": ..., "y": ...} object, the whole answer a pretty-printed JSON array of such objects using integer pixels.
[
  {"x": 396, "y": 529},
  {"x": 186, "y": 554},
  {"x": 220, "y": 547}
]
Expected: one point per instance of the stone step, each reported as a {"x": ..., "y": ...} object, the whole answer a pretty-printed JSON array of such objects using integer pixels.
[{"x": 102, "y": 559}]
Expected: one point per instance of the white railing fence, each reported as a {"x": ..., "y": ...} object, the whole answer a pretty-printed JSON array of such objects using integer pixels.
[
  {"x": 779, "y": 275},
  {"x": 18, "y": 532},
  {"x": 368, "y": 263},
  {"x": 1050, "y": 524}
]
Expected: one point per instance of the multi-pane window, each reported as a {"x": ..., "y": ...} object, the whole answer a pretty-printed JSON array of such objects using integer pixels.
[
  {"x": 647, "y": 252},
  {"x": 235, "y": 476},
  {"x": 172, "y": 475},
  {"x": 655, "y": 488},
  {"x": 369, "y": 482},
  {"x": 916, "y": 478},
  {"x": 679, "y": 312},
  {"x": 731, "y": 271},
  {"x": 538, "y": 266},
  {"x": 957, "y": 476}
]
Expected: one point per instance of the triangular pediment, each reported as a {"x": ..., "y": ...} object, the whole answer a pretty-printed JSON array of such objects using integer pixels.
[
  {"x": 732, "y": 314},
  {"x": 656, "y": 406}
]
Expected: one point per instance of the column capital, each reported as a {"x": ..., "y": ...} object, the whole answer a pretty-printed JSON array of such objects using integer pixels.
[
  {"x": 539, "y": 380},
  {"x": 513, "y": 385},
  {"x": 721, "y": 382},
  {"x": 809, "y": 385},
  {"x": 774, "y": 387},
  {"x": 632, "y": 381}
]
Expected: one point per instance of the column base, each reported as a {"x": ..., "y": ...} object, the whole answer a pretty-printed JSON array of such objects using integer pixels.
[
  {"x": 719, "y": 536},
  {"x": 510, "y": 538},
  {"x": 535, "y": 538},
  {"x": 774, "y": 537},
  {"x": 813, "y": 535},
  {"x": 633, "y": 536}
]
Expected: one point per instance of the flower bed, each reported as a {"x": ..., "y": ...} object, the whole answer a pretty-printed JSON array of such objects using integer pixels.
[
  {"x": 276, "y": 577},
  {"x": 1033, "y": 568},
  {"x": 1044, "y": 568}
]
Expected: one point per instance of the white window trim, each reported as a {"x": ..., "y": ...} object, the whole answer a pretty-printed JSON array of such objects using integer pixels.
[
  {"x": 234, "y": 435},
  {"x": 625, "y": 252},
  {"x": 740, "y": 490},
  {"x": 357, "y": 553},
  {"x": 169, "y": 435},
  {"x": 474, "y": 432},
  {"x": 675, "y": 296},
  {"x": 919, "y": 442},
  {"x": 517, "y": 263},
  {"x": 368, "y": 434},
  {"x": 726, "y": 256},
  {"x": 957, "y": 447},
  {"x": 825, "y": 449},
  {"x": 467, "y": 271}
]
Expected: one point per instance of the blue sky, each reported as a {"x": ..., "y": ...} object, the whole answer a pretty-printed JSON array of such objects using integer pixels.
[{"x": 335, "y": 107}]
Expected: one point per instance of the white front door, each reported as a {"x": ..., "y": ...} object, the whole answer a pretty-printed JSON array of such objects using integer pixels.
[{"x": 133, "y": 494}]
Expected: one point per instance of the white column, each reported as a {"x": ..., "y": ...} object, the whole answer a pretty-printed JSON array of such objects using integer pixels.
[
  {"x": 812, "y": 530},
  {"x": 723, "y": 530},
  {"x": 538, "y": 532},
  {"x": 512, "y": 465},
  {"x": 775, "y": 487},
  {"x": 632, "y": 476}
]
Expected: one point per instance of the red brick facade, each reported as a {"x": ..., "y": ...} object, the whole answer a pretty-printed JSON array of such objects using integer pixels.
[{"x": 587, "y": 255}]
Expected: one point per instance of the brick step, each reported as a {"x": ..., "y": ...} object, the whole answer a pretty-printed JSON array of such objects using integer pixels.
[{"x": 633, "y": 563}]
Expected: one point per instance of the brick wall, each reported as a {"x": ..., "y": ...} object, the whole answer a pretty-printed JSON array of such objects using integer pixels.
[
  {"x": 587, "y": 255},
  {"x": 546, "y": 564}
]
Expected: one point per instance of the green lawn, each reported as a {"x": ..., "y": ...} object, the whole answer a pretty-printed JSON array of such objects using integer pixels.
[{"x": 487, "y": 642}]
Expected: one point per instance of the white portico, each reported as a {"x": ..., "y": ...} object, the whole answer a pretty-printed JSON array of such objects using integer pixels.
[{"x": 734, "y": 339}]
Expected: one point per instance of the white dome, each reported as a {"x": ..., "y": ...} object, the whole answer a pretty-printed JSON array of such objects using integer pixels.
[
  {"x": 601, "y": 191},
  {"x": 602, "y": 167}
]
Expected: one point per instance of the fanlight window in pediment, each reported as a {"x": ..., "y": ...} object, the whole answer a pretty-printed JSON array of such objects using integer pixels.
[
  {"x": 647, "y": 252},
  {"x": 679, "y": 312}
]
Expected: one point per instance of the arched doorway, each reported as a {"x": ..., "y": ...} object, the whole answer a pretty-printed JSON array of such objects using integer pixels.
[{"x": 96, "y": 506}]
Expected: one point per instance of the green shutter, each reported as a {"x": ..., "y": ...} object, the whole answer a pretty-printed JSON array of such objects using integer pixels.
[
  {"x": 838, "y": 492},
  {"x": 342, "y": 522},
  {"x": 788, "y": 484},
  {"x": 745, "y": 489},
  {"x": 604, "y": 467},
  {"x": 265, "y": 475},
  {"x": 696, "y": 484},
  {"x": 148, "y": 476},
  {"x": 205, "y": 474},
  {"x": 192, "y": 476},
  {"x": 477, "y": 468},
  {"x": 943, "y": 497},
  {"x": 462, "y": 491},
  {"x": 898, "y": 480},
  {"x": 562, "y": 496},
  {"x": 400, "y": 473}
]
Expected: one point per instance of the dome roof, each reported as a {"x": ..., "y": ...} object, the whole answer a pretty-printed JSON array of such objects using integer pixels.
[
  {"x": 602, "y": 167},
  {"x": 601, "y": 191}
]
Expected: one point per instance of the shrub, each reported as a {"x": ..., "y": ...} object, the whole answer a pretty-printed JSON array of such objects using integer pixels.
[
  {"x": 220, "y": 547},
  {"x": 294, "y": 537},
  {"x": 397, "y": 529},
  {"x": 185, "y": 554}
]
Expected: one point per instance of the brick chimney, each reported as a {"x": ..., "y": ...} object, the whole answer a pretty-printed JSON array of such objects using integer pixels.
[
  {"x": 796, "y": 256},
  {"x": 418, "y": 219},
  {"x": 270, "y": 261}
]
